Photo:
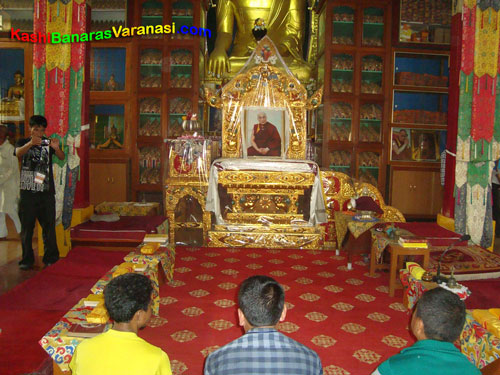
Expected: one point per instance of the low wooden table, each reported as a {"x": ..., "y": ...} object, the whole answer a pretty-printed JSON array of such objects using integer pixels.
[{"x": 397, "y": 258}]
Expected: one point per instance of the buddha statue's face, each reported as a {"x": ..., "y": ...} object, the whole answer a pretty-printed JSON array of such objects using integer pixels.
[{"x": 18, "y": 79}]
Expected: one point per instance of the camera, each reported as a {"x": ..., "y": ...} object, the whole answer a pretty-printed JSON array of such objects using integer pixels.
[{"x": 45, "y": 141}]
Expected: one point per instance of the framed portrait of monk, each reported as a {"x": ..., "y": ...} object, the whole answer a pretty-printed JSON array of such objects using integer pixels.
[{"x": 264, "y": 132}]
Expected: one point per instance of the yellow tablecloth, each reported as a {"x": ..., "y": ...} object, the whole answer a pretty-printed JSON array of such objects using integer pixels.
[
  {"x": 128, "y": 208},
  {"x": 345, "y": 222},
  {"x": 165, "y": 256},
  {"x": 151, "y": 272},
  {"x": 380, "y": 241}
]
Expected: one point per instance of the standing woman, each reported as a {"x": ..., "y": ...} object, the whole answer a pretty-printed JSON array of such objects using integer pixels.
[{"x": 9, "y": 184}]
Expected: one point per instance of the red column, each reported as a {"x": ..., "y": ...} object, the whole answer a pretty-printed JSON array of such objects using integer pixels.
[
  {"x": 82, "y": 188},
  {"x": 453, "y": 104}
]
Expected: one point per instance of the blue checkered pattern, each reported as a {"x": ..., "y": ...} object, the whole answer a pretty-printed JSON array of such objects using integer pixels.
[{"x": 263, "y": 351}]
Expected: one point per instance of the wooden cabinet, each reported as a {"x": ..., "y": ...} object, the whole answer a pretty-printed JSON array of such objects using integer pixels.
[
  {"x": 416, "y": 192},
  {"x": 109, "y": 181},
  {"x": 356, "y": 74},
  {"x": 156, "y": 81}
]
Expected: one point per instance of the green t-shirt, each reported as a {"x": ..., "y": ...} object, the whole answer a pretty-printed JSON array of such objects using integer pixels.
[{"x": 429, "y": 357}]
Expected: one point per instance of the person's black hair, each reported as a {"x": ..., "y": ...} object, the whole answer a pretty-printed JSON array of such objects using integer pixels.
[
  {"x": 126, "y": 294},
  {"x": 38, "y": 120},
  {"x": 443, "y": 314},
  {"x": 19, "y": 72},
  {"x": 261, "y": 299}
]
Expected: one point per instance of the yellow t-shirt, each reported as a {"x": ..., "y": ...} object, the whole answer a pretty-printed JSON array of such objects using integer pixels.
[{"x": 118, "y": 353}]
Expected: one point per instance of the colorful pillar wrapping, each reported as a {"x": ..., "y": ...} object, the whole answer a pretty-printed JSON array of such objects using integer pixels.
[
  {"x": 58, "y": 75},
  {"x": 478, "y": 140}
]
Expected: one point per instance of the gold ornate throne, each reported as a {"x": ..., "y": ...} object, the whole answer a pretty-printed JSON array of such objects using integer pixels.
[
  {"x": 272, "y": 202},
  {"x": 338, "y": 189}
]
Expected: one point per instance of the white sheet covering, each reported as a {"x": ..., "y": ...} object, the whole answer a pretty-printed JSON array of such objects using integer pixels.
[{"x": 317, "y": 206}]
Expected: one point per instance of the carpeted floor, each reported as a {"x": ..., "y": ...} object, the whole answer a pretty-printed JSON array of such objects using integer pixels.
[
  {"x": 32, "y": 308},
  {"x": 346, "y": 316}
]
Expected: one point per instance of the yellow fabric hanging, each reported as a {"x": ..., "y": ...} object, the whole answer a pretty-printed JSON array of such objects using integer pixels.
[
  {"x": 486, "y": 43},
  {"x": 470, "y": 3},
  {"x": 59, "y": 20}
]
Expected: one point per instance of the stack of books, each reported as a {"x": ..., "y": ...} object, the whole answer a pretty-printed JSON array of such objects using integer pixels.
[
  {"x": 159, "y": 238},
  {"x": 84, "y": 330},
  {"x": 413, "y": 241},
  {"x": 153, "y": 242}
]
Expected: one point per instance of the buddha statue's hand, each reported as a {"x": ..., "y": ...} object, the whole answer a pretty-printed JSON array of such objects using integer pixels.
[
  {"x": 218, "y": 63},
  {"x": 283, "y": 49}
]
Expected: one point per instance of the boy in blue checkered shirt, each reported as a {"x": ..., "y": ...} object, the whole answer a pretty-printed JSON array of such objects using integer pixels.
[{"x": 262, "y": 349}]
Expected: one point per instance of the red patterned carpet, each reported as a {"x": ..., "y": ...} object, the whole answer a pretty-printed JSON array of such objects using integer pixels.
[{"x": 347, "y": 317}]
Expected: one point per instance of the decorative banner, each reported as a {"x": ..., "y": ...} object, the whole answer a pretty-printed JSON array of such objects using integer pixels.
[
  {"x": 478, "y": 128},
  {"x": 59, "y": 20},
  {"x": 58, "y": 81},
  {"x": 468, "y": 40},
  {"x": 483, "y": 109},
  {"x": 486, "y": 43},
  {"x": 39, "y": 21}
]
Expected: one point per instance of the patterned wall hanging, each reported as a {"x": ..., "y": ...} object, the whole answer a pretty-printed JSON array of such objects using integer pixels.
[
  {"x": 478, "y": 132},
  {"x": 58, "y": 75}
]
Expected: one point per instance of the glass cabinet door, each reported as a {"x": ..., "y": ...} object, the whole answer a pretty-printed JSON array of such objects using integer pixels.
[
  {"x": 420, "y": 108},
  {"x": 372, "y": 67},
  {"x": 422, "y": 70},
  {"x": 373, "y": 27},
  {"x": 107, "y": 14},
  {"x": 178, "y": 110},
  {"x": 149, "y": 117},
  {"x": 342, "y": 73},
  {"x": 16, "y": 14},
  {"x": 107, "y": 126},
  {"x": 368, "y": 167},
  {"x": 425, "y": 21},
  {"x": 340, "y": 161},
  {"x": 341, "y": 122},
  {"x": 149, "y": 165},
  {"x": 343, "y": 25},
  {"x": 182, "y": 15},
  {"x": 151, "y": 67},
  {"x": 370, "y": 122},
  {"x": 152, "y": 15},
  {"x": 181, "y": 68},
  {"x": 107, "y": 69},
  {"x": 12, "y": 91}
]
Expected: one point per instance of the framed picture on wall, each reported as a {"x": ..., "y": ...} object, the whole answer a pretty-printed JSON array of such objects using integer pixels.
[
  {"x": 401, "y": 144},
  {"x": 420, "y": 145},
  {"x": 263, "y": 132}
]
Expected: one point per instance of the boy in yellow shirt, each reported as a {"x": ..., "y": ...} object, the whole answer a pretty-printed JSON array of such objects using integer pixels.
[{"x": 120, "y": 351}]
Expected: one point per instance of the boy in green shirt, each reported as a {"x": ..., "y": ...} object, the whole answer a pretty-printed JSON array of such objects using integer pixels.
[{"x": 437, "y": 322}]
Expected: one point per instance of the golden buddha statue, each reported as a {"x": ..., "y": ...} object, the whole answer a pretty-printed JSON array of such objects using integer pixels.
[
  {"x": 285, "y": 21},
  {"x": 16, "y": 92}
]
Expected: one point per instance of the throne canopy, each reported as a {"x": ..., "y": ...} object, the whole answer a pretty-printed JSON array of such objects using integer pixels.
[{"x": 264, "y": 90}]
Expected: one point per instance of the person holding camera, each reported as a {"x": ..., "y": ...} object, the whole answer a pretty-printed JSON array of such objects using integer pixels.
[{"x": 38, "y": 191}]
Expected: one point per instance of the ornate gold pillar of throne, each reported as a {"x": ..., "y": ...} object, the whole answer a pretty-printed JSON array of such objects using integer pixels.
[{"x": 186, "y": 188}]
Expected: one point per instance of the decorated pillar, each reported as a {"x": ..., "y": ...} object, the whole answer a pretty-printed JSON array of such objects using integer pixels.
[
  {"x": 478, "y": 132},
  {"x": 59, "y": 94},
  {"x": 453, "y": 104}
]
